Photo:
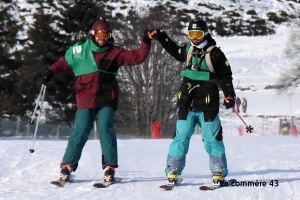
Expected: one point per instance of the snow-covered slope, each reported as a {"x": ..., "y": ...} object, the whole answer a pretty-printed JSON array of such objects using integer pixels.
[{"x": 263, "y": 159}]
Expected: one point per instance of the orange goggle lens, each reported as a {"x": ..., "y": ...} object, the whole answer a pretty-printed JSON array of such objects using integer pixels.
[
  {"x": 102, "y": 34},
  {"x": 196, "y": 34}
]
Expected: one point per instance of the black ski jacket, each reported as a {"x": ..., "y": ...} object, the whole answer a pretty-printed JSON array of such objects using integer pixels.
[{"x": 206, "y": 97}]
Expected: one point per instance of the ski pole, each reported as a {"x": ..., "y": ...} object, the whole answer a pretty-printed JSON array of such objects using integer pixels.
[
  {"x": 31, "y": 121},
  {"x": 248, "y": 128},
  {"x": 40, "y": 99}
]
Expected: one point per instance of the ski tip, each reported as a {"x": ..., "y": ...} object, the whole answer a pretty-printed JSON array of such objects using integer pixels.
[
  {"x": 99, "y": 185},
  {"x": 166, "y": 187},
  {"x": 58, "y": 183},
  {"x": 170, "y": 186},
  {"x": 106, "y": 184},
  {"x": 227, "y": 183},
  {"x": 205, "y": 188}
]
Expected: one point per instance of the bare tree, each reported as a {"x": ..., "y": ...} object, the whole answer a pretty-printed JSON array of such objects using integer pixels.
[
  {"x": 293, "y": 45},
  {"x": 289, "y": 80},
  {"x": 151, "y": 87}
]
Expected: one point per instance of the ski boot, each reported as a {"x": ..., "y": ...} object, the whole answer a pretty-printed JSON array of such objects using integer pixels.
[
  {"x": 109, "y": 174},
  {"x": 172, "y": 177},
  {"x": 65, "y": 173},
  {"x": 218, "y": 180}
]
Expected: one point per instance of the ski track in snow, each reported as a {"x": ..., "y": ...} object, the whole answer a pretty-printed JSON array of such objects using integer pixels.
[{"x": 142, "y": 162}]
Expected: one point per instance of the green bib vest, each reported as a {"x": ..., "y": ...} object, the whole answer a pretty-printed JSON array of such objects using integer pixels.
[
  {"x": 80, "y": 57},
  {"x": 196, "y": 75}
]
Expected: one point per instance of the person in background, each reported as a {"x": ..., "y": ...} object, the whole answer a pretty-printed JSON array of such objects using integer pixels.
[
  {"x": 198, "y": 99},
  {"x": 285, "y": 127},
  {"x": 244, "y": 105},
  {"x": 95, "y": 64},
  {"x": 238, "y": 104}
]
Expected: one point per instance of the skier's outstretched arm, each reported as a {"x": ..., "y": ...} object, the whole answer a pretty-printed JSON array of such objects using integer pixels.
[{"x": 178, "y": 52}]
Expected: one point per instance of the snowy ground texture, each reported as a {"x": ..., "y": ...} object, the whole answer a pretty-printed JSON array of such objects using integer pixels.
[{"x": 26, "y": 176}]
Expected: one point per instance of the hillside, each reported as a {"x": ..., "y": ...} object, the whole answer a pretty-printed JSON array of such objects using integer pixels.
[
  {"x": 224, "y": 17},
  {"x": 239, "y": 17},
  {"x": 256, "y": 62}
]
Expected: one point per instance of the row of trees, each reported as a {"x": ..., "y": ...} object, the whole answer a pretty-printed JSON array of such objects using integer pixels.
[
  {"x": 148, "y": 91},
  {"x": 30, "y": 43}
]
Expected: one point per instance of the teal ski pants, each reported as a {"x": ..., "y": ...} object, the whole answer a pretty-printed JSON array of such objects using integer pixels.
[
  {"x": 83, "y": 124},
  {"x": 211, "y": 136}
]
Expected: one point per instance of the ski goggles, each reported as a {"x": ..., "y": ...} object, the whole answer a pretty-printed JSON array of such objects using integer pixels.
[
  {"x": 196, "y": 34},
  {"x": 102, "y": 34}
]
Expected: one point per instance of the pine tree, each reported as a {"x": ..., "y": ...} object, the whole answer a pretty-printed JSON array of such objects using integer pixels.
[
  {"x": 58, "y": 25},
  {"x": 10, "y": 60}
]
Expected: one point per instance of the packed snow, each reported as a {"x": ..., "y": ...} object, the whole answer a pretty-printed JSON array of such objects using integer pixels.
[{"x": 264, "y": 157}]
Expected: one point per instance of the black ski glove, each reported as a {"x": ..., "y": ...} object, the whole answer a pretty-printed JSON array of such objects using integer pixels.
[
  {"x": 155, "y": 34},
  {"x": 229, "y": 102},
  {"x": 47, "y": 77}
]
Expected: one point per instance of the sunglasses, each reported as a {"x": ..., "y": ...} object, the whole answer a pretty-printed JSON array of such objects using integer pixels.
[
  {"x": 102, "y": 34},
  {"x": 196, "y": 34}
]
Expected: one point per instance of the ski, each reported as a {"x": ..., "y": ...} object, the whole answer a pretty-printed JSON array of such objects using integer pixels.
[
  {"x": 59, "y": 183},
  {"x": 226, "y": 184},
  {"x": 170, "y": 186},
  {"x": 106, "y": 184}
]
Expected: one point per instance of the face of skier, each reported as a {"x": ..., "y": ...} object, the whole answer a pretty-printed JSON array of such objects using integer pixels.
[
  {"x": 196, "y": 41},
  {"x": 101, "y": 37},
  {"x": 101, "y": 30}
]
